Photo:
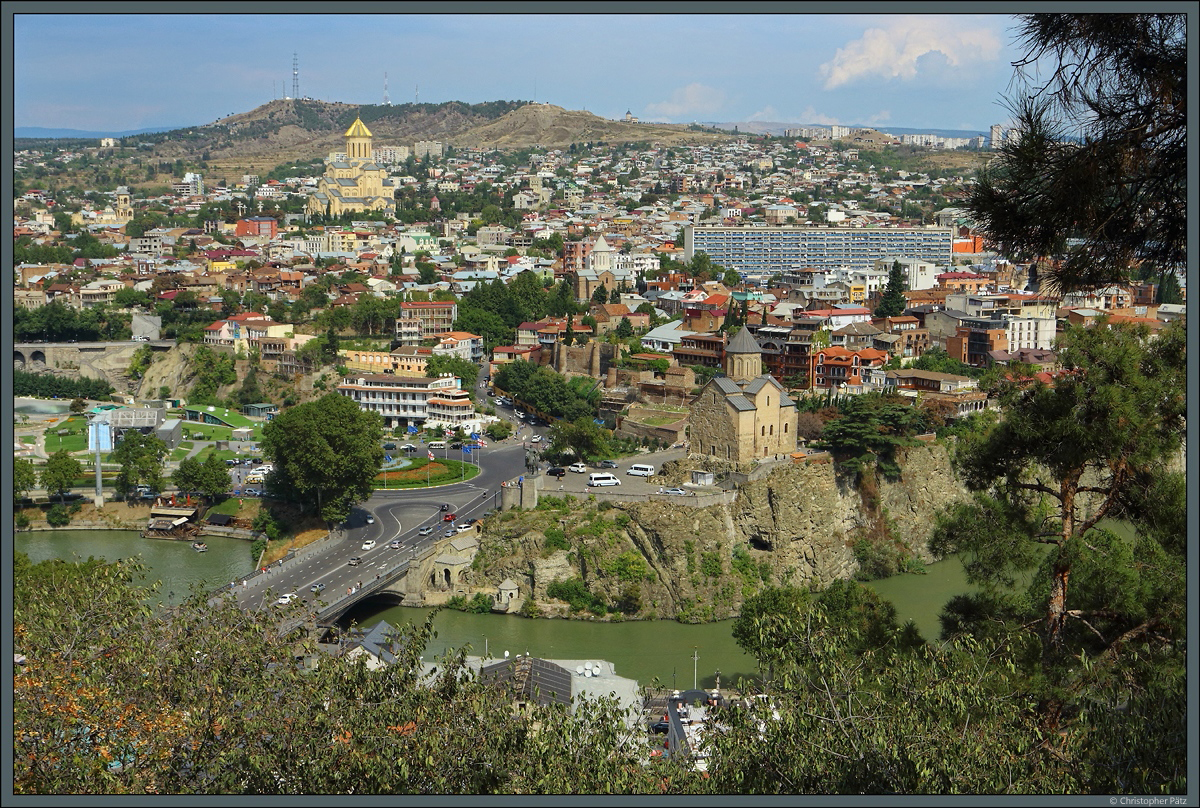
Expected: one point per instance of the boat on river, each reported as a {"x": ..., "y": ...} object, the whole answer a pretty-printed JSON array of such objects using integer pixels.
[{"x": 200, "y": 547}]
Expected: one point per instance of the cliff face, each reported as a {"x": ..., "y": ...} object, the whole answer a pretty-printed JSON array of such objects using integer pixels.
[{"x": 796, "y": 525}]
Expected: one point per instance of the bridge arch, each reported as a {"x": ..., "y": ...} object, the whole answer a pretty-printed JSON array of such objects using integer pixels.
[{"x": 18, "y": 360}]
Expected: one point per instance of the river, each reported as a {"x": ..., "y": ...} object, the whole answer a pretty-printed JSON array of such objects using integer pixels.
[{"x": 676, "y": 654}]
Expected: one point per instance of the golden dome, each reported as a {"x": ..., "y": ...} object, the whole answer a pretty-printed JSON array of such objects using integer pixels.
[{"x": 358, "y": 129}]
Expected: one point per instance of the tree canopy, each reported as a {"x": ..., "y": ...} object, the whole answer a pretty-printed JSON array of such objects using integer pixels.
[
  {"x": 59, "y": 473},
  {"x": 325, "y": 452},
  {"x": 141, "y": 459},
  {"x": 1104, "y": 442},
  {"x": 1100, "y": 153}
]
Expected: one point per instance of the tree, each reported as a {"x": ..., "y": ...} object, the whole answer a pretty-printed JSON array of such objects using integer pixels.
[
  {"x": 214, "y": 480},
  {"x": 427, "y": 273},
  {"x": 325, "y": 452},
  {"x": 1168, "y": 288},
  {"x": 141, "y": 459},
  {"x": 188, "y": 476},
  {"x": 1101, "y": 442},
  {"x": 208, "y": 698},
  {"x": 600, "y": 296},
  {"x": 893, "y": 302},
  {"x": 585, "y": 439},
  {"x": 731, "y": 278},
  {"x": 624, "y": 328},
  {"x": 78, "y": 405},
  {"x": 24, "y": 479},
  {"x": 464, "y": 369},
  {"x": 59, "y": 473},
  {"x": 1101, "y": 155}
]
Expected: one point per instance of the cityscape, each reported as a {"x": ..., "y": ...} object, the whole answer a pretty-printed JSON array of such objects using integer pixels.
[{"x": 421, "y": 447}]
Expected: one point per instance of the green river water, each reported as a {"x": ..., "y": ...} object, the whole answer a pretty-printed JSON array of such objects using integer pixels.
[{"x": 678, "y": 655}]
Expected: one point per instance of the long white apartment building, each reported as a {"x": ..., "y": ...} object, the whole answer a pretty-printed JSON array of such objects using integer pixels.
[
  {"x": 404, "y": 400},
  {"x": 793, "y": 247}
]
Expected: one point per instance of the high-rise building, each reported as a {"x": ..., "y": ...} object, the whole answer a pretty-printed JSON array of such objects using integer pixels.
[
  {"x": 997, "y": 136},
  {"x": 767, "y": 250}
]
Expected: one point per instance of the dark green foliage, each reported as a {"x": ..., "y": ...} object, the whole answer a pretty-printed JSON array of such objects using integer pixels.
[
  {"x": 464, "y": 369},
  {"x": 575, "y": 592},
  {"x": 57, "y": 515},
  {"x": 872, "y": 425},
  {"x": 1102, "y": 153},
  {"x": 547, "y": 391},
  {"x": 893, "y": 302},
  {"x": 326, "y": 453},
  {"x": 48, "y": 385},
  {"x": 556, "y": 540}
]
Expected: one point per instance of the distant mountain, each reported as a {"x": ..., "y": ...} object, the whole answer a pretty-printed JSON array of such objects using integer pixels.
[
  {"x": 777, "y": 128},
  {"x": 42, "y": 133}
]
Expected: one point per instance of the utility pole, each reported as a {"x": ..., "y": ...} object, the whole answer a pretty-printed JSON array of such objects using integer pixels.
[{"x": 695, "y": 661}]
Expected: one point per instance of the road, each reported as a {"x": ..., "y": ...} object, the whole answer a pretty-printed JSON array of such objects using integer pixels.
[{"x": 399, "y": 516}]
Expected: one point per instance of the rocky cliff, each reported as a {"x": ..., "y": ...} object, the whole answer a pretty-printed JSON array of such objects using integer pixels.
[{"x": 799, "y": 524}]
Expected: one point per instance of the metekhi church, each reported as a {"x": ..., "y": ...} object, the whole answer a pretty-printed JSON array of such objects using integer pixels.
[
  {"x": 357, "y": 183},
  {"x": 745, "y": 414}
]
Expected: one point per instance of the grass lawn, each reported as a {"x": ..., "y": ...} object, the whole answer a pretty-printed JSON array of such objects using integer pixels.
[
  {"x": 28, "y": 439},
  {"x": 229, "y": 507},
  {"x": 181, "y": 451},
  {"x": 662, "y": 420},
  {"x": 72, "y": 443},
  {"x": 206, "y": 431}
]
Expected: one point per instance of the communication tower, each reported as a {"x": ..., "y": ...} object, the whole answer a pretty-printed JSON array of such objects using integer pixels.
[
  {"x": 387, "y": 102},
  {"x": 295, "y": 75}
]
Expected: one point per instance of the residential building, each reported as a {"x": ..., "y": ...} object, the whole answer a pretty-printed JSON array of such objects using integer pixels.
[
  {"x": 460, "y": 344},
  {"x": 769, "y": 250},
  {"x": 425, "y": 320}
]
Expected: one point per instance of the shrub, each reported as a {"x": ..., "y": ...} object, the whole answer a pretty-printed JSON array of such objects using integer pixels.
[
  {"x": 480, "y": 604},
  {"x": 529, "y": 608},
  {"x": 21, "y": 521},
  {"x": 58, "y": 516},
  {"x": 257, "y": 547},
  {"x": 556, "y": 540},
  {"x": 710, "y": 564},
  {"x": 575, "y": 592}
]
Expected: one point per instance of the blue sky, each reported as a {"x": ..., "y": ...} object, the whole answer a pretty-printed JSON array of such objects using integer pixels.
[{"x": 134, "y": 71}]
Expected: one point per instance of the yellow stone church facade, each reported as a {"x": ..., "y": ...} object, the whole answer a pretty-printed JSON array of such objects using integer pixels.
[{"x": 357, "y": 183}]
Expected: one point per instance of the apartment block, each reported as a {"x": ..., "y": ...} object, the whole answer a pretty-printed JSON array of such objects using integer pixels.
[{"x": 789, "y": 248}]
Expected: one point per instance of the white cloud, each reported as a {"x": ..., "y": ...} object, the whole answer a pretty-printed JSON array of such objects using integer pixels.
[
  {"x": 883, "y": 116},
  {"x": 894, "y": 51},
  {"x": 767, "y": 113},
  {"x": 690, "y": 101},
  {"x": 811, "y": 116}
]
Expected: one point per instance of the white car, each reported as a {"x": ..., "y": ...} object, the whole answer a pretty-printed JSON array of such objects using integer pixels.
[
  {"x": 369, "y": 544},
  {"x": 675, "y": 492},
  {"x": 370, "y": 519},
  {"x": 396, "y": 544},
  {"x": 578, "y": 468},
  {"x": 284, "y": 600},
  {"x": 425, "y": 531},
  {"x": 536, "y": 439}
]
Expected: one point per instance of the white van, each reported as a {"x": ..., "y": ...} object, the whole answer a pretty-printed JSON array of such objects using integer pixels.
[
  {"x": 438, "y": 444},
  {"x": 641, "y": 470},
  {"x": 602, "y": 479},
  {"x": 254, "y": 477}
]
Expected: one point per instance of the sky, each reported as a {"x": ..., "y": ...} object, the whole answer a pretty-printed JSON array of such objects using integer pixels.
[{"x": 111, "y": 72}]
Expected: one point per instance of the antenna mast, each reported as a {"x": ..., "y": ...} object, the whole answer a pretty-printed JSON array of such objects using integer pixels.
[
  {"x": 418, "y": 94},
  {"x": 295, "y": 75},
  {"x": 387, "y": 102}
]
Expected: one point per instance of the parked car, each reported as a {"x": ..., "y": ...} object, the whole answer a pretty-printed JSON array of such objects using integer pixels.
[
  {"x": 578, "y": 468},
  {"x": 557, "y": 471},
  {"x": 369, "y": 544},
  {"x": 608, "y": 464},
  {"x": 450, "y": 517},
  {"x": 389, "y": 446},
  {"x": 396, "y": 544},
  {"x": 425, "y": 531},
  {"x": 317, "y": 588},
  {"x": 675, "y": 492},
  {"x": 355, "y": 561},
  {"x": 660, "y": 727},
  {"x": 284, "y": 600}
]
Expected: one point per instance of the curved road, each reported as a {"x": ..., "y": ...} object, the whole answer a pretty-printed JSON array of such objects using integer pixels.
[{"x": 399, "y": 517}]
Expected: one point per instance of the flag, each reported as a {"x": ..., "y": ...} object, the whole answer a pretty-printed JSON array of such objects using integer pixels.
[
  {"x": 474, "y": 436},
  {"x": 412, "y": 428},
  {"x": 482, "y": 443},
  {"x": 430, "y": 454},
  {"x": 467, "y": 449},
  {"x": 387, "y": 458}
]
